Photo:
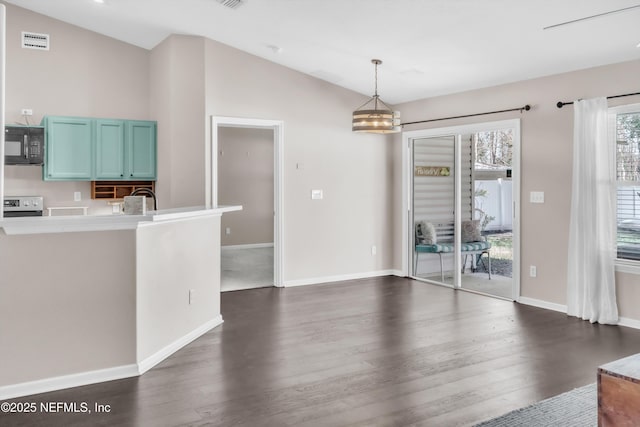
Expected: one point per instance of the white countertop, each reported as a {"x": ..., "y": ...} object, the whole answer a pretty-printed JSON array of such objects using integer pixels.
[{"x": 73, "y": 223}]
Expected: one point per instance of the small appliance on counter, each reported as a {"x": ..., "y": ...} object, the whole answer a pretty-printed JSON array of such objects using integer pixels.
[
  {"x": 23, "y": 145},
  {"x": 15, "y": 206},
  {"x": 135, "y": 205}
]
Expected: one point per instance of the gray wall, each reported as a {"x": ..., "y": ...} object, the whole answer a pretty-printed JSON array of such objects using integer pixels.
[
  {"x": 245, "y": 177},
  {"x": 354, "y": 170},
  {"x": 322, "y": 238},
  {"x": 177, "y": 97},
  {"x": 65, "y": 308}
]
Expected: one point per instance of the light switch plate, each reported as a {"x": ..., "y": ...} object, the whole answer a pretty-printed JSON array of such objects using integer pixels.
[
  {"x": 316, "y": 194},
  {"x": 536, "y": 197}
]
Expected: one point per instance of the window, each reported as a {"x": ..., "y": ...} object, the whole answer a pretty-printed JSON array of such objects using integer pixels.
[
  {"x": 626, "y": 122},
  {"x": 493, "y": 149},
  {"x": 493, "y": 152}
]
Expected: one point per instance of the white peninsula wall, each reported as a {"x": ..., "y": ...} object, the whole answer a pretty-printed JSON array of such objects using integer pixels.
[{"x": 79, "y": 307}]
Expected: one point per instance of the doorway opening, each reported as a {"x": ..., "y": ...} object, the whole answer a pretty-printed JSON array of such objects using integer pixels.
[
  {"x": 462, "y": 197},
  {"x": 246, "y": 170}
]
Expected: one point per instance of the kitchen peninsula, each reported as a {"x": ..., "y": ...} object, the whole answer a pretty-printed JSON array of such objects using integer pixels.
[{"x": 85, "y": 299}]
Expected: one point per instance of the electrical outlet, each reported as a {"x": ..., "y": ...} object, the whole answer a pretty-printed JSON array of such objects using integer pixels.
[
  {"x": 192, "y": 296},
  {"x": 374, "y": 250},
  {"x": 77, "y": 196},
  {"x": 27, "y": 112},
  {"x": 533, "y": 271},
  {"x": 227, "y": 230}
]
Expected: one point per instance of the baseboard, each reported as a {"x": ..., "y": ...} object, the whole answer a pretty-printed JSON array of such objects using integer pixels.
[
  {"x": 248, "y": 246},
  {"x": 629, "y": 323},
  {"x": 339, "y": 278},
  {"x": 102, "y": 375},
  {"x": 622, "y": 321},
  {"x": 398, "y": 273},
  {"x": 68, "y": 381},
  {"x": 543, "y": 304},
  {"x": 159, "y": 356}
]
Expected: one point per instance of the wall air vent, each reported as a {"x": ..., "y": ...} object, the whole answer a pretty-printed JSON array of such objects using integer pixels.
[
  {"x": 35, "y": 41},
  {"x": 232, "y": 4}
]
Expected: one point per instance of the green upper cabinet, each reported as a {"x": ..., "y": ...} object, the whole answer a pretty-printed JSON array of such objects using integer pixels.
[
  {"x": 86, "y": 149},
  {"x": 110, "y": 141},
  {"x": 69, "y": 148},
  {"x": 141, "y": 150}
]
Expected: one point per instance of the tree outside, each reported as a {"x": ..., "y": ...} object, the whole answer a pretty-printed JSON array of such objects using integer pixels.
[
  {"x": 494, "y": 149},
  {"x": 627, "y": 144}
]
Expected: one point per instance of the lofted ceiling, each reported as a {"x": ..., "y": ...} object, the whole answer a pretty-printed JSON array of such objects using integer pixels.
[{"x": 428, "y": 47}]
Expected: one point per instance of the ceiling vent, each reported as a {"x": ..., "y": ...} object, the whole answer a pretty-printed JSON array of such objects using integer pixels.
[
  {"x": 35, "y": 41},
  {"x": 232, "y": 4}
]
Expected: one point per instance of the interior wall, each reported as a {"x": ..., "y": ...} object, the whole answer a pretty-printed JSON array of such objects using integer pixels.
[
  {"x": 83, "y": 74},
  {"x": 245, "y": 177},
  {"x": 167, "y": 273},
  {"x": 547, "y": 141},
  {"x": 332, "y": 237},
  {"x": 160, "y": 105},
  {"x": 178, "y": 104},
  {"x": 42, "y": 300}
]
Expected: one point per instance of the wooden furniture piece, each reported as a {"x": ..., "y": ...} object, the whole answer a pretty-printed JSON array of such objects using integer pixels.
[
  {"x": 117, "y": 189},
  {"x": 619, "y": 393}
]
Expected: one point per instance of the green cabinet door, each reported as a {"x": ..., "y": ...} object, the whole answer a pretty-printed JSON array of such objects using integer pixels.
[
  {"x": 141, "y": 149},
  {"x": 69, "y": 154},
  {"x": 110, "y": 149},
  {"x": 83, "y": 149}
]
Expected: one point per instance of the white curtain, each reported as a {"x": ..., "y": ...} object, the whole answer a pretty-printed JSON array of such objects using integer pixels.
[{"x": 591, "y": 288}]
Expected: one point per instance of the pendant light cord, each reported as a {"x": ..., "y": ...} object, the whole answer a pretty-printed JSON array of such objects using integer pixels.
[{"x": 376, "y": 87}]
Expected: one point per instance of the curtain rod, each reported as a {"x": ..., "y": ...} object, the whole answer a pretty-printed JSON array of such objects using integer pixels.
[
  {"x": 561, "y": 104},
  {"x": 521, "y": 109}
]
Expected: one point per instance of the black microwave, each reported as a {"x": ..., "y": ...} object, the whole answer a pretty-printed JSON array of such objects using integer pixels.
[{"x": 23, "y": 145}]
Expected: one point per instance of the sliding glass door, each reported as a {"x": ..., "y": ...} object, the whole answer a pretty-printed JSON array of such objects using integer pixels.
[
  {"x": 490, "y": 270},
  {"x": 434, "y": 207},
  {"x": 463, "y": 199}
]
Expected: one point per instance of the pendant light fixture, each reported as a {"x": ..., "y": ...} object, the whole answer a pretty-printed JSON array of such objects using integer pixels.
[{"x": 374, "y": 116}]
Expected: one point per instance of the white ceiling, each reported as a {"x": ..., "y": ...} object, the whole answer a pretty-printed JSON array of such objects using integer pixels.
[{"x": 428, "y": 47}]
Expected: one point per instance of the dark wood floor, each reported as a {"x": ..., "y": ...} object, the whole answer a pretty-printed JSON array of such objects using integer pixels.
[{"x": 386, "y": 351}]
